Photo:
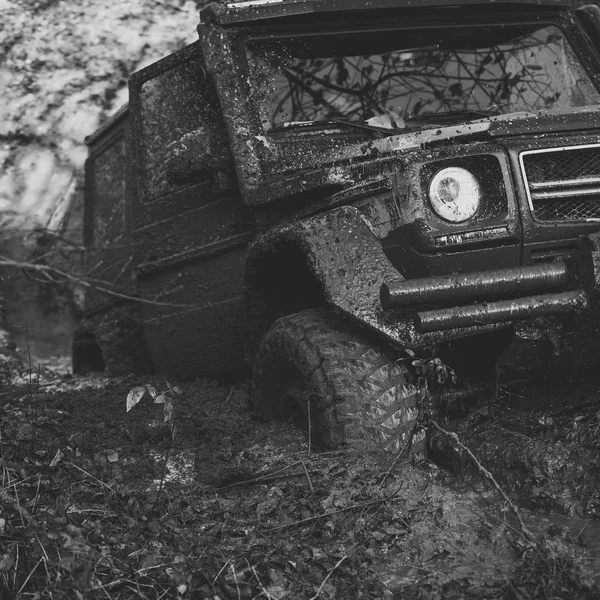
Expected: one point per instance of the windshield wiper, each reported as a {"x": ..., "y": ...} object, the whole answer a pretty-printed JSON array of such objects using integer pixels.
[
  {"x": 299, "y": 125},
  {"x": 365, "y": 126},
  {"x": 463, "y": 114}
]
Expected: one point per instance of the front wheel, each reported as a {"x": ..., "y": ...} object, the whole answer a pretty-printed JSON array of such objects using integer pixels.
[{"x": 314, "y": 368}]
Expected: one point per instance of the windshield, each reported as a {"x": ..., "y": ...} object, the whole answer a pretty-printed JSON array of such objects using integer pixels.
[{"x": 416, "y": 78}]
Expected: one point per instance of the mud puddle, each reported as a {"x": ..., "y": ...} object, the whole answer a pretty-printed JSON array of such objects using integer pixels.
[
  {"x": 551, "y": 397},
  {"x": 585, "y": 531},
  {"x": 540, "y": 443}
]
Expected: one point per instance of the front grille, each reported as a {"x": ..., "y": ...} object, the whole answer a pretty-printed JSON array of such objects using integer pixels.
[{"x": 563, "y": 184}]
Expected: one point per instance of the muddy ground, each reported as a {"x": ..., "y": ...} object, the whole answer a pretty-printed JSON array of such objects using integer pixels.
[{"x": 97, "y": 502}]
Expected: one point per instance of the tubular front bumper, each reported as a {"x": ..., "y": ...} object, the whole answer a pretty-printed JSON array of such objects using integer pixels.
[{"x": 486, "y": 297}]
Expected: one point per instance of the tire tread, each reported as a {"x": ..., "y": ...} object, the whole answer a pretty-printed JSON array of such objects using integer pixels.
[{"x": 351, "y": 378}]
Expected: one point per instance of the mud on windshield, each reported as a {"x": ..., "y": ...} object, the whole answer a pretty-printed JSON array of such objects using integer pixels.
[{"x": 407, "y": 79}]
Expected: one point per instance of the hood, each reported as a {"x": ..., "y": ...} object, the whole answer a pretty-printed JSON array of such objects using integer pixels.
[{"x": 513, "y": 124}]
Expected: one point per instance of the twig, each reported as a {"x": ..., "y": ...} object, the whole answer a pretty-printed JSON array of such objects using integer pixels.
[
  {"x": 29, "y": 576},
  {"x": 16, "y": 567},
  {"x": 167, "y": 590},
  {"x": 37, "y": 382},
  {"x": 45, "y": 563},
  {"x": 164, "y": 471},
  {"x": 85, "y": 282},
  {"x": 37, "y": 538},
  {"x": 90, "y": 475},
  {"x": 310, "y": 485},
  {"x": 262, "y": 587},
  {"x": 583, "y": 529},
  {"x": 128, "y": 580},
  {"x": 453, "y": 436},
  {"x": 309, "y": 427},
  {"x": 219, "y": 573},
  {"x": 337, "y": 564},
  {"x": 22, "y": 511},
  {"x": 37, "y": 495},
  {"x": 29, "y": 358},
  {"x": 334, "y": 512},
  {"x": 237, "y": 585},
  {"x": 493, "y": 516},
  {"x": 5, "y": 473},
  {"x": 509, "y": 431},
  {"x": 398, "y": 456},
  {"x": 262, "y": 478}
]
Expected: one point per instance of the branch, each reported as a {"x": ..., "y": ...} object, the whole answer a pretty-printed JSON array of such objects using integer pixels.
[
  {"x": 335, "y": 512},
  {"x": 48, "y": 271},
  {"x": 454, "y": 437}
]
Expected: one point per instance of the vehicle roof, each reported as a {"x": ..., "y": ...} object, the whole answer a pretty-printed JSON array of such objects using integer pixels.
[{"x": 246, "y": 11}]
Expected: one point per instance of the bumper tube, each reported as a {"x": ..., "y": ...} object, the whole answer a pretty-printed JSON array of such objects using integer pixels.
[
  {"x": 502, "y": 310},
  {"x": 512, "y": 282}
]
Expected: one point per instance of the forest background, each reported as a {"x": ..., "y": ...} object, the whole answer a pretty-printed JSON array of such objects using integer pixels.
[{"x": 64, "y": 66}]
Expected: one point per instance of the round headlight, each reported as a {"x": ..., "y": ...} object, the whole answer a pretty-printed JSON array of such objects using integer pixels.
[{"x": 454, "y": 194}]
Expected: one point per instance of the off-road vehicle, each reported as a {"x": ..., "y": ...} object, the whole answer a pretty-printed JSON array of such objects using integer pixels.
[{"x": 330, "y": 189}]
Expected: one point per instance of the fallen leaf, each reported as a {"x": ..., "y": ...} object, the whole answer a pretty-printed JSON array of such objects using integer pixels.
[
  {"x": 57, "y": 458},
  {"x": 134, "y": 396},
  {"x": 168, "y": 414},
  {"x": 7, "y": 562}
]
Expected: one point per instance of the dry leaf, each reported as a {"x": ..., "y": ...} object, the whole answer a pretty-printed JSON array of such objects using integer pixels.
[
  {"x": 134, "y": 396},
  {"x": 168, "y": 412},
  {"x": 57, "y": 458}
]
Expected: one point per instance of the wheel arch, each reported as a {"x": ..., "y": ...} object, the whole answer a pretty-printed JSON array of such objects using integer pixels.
[
  {"x": 86, "y": 352},
  {"x": 111, "y": 341},
  {"x": 332, "y": 259},
  {"x": 279, "y": 280}
]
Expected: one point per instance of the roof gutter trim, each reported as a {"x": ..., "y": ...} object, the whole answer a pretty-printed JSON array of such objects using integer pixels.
[{"x": 247, "y": 11}]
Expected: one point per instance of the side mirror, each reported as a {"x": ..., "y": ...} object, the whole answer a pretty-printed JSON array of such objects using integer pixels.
[
  {"x": 589, "y": 16},
  {"x": 194, "y": 158}
]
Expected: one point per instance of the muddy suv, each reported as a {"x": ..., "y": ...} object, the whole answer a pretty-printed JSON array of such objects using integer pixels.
[{"x": 326, "y": 189}]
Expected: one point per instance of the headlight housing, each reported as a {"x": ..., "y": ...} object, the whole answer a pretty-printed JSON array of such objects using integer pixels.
[{"x": 454, "y": 194}]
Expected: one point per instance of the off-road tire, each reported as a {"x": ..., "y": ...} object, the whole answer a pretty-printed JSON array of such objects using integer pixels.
[
  {"x": 360, "y": 396},
  {"x": 113, "y": 342}
]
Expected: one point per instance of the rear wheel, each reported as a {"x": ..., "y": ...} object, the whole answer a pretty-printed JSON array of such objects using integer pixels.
[
  {"x": 111, "y": 341},
  {"x": 344, "y": 387}
]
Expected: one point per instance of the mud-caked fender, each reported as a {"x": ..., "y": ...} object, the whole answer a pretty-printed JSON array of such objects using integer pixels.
[{"x": 331, "y": 259}]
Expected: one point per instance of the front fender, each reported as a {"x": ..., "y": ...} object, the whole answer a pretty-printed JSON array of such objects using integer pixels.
[{"x": 342, "y": 253}]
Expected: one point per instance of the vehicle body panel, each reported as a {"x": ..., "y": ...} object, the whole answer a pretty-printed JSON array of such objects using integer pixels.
[
  {"x": 236, "y": 220},
  {"x": 106, "y": 228},
  {"x": 189, "y": 232}
]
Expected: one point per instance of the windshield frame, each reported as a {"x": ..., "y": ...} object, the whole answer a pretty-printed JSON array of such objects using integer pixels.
[
  {"x": 267, "y": 163},
  {"x": 579, "y": 45}
]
